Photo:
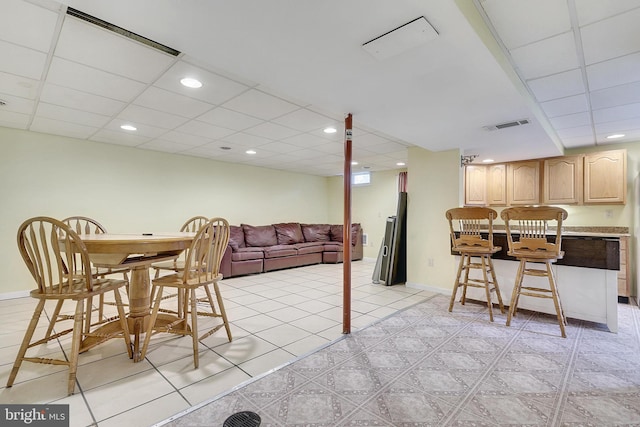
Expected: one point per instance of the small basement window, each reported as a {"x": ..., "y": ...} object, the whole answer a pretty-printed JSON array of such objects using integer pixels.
[{"x": 361, "y": 178}]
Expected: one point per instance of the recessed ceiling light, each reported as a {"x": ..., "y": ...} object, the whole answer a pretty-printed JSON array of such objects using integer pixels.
[
  {"x": 250, "y": 152},
  {"x": 191, "y": 82},
  {"x": 354, "y": 163},
  {"x": 330, "y": 130},
  {"x": 616, "y": 136},
  {"x": 400, "y": 164},
  {"x": 488, "y": 161},
  {"x": 128, "y": 127}
]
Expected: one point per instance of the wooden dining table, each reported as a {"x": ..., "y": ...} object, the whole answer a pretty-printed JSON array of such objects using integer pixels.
[{"x": 136, "y": 252}]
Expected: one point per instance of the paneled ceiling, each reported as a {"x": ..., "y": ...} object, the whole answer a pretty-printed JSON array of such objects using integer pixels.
[{"x": 276, "y": 74}]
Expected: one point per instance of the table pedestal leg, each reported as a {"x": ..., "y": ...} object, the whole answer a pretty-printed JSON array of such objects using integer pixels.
[{"x": 139, "y": 306}]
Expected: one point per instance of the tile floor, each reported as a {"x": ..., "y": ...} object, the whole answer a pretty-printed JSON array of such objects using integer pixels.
[{"x": 276, "y": 317}]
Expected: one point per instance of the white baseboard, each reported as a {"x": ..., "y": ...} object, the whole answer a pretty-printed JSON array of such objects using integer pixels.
[
  {"x": 14, "y": 295},
  {"x": 423, "y": 287}
]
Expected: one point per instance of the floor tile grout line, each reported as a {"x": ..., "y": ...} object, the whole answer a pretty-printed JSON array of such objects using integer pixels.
[{"x": 561, "y": 394}]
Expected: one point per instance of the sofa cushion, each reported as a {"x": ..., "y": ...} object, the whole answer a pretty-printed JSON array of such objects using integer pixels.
[
  {"x": 279, "y": 251},
  {"x": 309, "y": 248},
  {"x": 289, "y": 233},
  {"x": 333, "y": 247},
  {"x": 246, "y": 255},
  {"x": 259, "y": 236},
  {"x": 336, "y": 233},
  {"x": 316, "y": 232},
  {"x": 236, "y": 237}
]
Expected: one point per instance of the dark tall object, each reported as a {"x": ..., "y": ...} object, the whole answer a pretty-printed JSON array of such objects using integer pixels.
[{"x": 391, "y": 267}]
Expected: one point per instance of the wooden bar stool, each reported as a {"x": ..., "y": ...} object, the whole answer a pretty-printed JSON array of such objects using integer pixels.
[
  {"x": 469, "y": 243},
  {"x": 535, "y": 246}
]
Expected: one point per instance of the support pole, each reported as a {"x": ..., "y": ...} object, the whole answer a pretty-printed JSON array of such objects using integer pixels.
[{"x": 346, "y": 229}]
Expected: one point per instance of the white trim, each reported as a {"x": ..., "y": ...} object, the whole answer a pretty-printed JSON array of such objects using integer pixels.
[{"x": 14, "y": 295}]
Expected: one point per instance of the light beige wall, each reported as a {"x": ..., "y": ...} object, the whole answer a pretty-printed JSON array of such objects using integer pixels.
[
  {"x": 434, "y": 186},
  {"x": 370, "y": 206},
  {"x": 132, "y": 190}
]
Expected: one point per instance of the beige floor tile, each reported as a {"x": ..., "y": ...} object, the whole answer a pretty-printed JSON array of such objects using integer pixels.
[
  {"x": 214, "y": 385},
  {"x": 96, "y": 374},
  {"x": 244, "y": 349},
  {"x": 305, "y": 345},
  {"x": 258, "y": 323},
  {"x": 266, "y": 362},
  {"x": 149, "y": 413},
  {"x": 182, "y": 373},
  {"x": 288, "y": 314},
  {"x": 282, "y": 335},
  {"x": 314, "y": 323}
]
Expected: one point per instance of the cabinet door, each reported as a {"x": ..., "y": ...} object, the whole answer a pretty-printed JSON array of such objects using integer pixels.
[
  {"x": 605, "y": 177},
  {"x": 497, "y": 185},
  {"x": 475, "y": 185},
  {"x": 562, "y": 180},
  {"x": 523, "y": 183}
]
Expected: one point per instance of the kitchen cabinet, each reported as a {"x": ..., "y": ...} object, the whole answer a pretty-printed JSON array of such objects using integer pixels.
[
  {"x": 475, "y": 185},
  {"x": 605, "y": 177},
  {"x": 523, "y": 183},
  {"x": 497, "y": 185},
  {"x": 562, "y": 180}
]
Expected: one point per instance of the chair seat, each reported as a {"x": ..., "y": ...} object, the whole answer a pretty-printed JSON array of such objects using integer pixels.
[
  {"x": 176, "y": 265},
  {"x": 536, "y": 255},
  {"x": 479, "y": 250},
  {"x": 177, "y": 281},
  {"x": 78, "y": 290}
]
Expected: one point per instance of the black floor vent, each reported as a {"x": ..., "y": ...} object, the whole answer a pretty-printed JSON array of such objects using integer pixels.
[{"x": 242, "y": 419}]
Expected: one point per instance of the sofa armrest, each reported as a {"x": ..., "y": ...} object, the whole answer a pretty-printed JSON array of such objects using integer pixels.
[
  {"x": 357, "y": 251},
  {"x": 225, "y": 264}
]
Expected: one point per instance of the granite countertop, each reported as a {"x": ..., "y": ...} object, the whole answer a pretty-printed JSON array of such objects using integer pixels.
[{"x": 598, "y": 231}]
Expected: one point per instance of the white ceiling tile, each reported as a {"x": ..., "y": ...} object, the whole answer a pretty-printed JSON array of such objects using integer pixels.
[
  {"x": 571, "y": 120},
  {"x": 71, "y": 98},
  {"x": 18, "y": 15},
  {"x": 620, "y": 112},
  {"x": 56, "y": 127},
  {"x": 305, "y": 140},
  {"x": 87, "y": 79},
  {"x": 246, "y": 140},
  {"x": 271, "y": 131},
  {"x": 143, "y": 130},
  {"x": 368, "y": 140},
  {"x": 259, "y": 104},
  {"x": 387, "y": 147},
  {"x": 17, "y": 104},
  {"x": 629, "y": 136},
  {"x": 331, "y": 148},
  {"x": 185, "y": 138},
  {"x": 618, "y": 95},
  {"x": 215, "y": 88},
  {"x": 165, "y": 146},
  {"x": 119, "y": 138},
  {"x": 577, "y": 142},
  {"x": 138, "y": 114},
  {"x": 21, "y": 60},
  {"x": 611, "y": 38},
  {"x": 18, "y": 86},
  {"x": 580, "y": 131},
  {"x": 619, "y": 126},
  {"x": 171, "y": 102},
  {"x": 279, "y": 147},
  {"x": 558, "y": 85},
  {"x": 546, "y": 57},
  {"x": 614, "y": 72},
  {"x": 105, "y": 50},
  {"x": 590, "y": 11},
  {"x": 65, "y": 114},
  {"x": 513, "y": 20},
  {"x": 12, "y": 119},
  {"x": 306, "y": 121},
  {"x": 229, "y": 119},
  {"x": 205, "y": 130},
  {"x": 568, "y": 105}
]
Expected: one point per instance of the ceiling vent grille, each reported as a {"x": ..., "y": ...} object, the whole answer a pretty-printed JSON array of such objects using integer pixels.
[
  {"x": 119, "y": 30},
  {"x": 507, "y": 125}
]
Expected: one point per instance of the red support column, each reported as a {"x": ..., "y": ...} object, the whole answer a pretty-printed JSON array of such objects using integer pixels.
[{"x": 346, "y": 229}]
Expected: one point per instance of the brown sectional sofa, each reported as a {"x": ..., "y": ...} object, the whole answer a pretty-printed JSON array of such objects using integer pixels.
[{"x": 258, "y": 249}]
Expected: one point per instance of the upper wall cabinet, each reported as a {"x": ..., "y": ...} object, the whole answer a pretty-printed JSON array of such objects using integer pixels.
[
  {"x": 605, "y": 177},
  {"x": 497, "y": 185},
  {"x": 562, "y": 180},
  {"x": 475, "y": 185},
  {"x": 523, "y": 183}
]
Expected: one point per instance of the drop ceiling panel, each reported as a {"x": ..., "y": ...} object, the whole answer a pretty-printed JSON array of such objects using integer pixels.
[
  {"x": 99, "y": 48},
  {"x": 618, "y": 95},
  {"x": 215, "y": 89},
  {"x": 305, "y": 140},
  {"x": 18, "y": 86},
  {"x": 12, "y": 119},
  {"x": 138, "y": 114},
  {"x": 71, "y": 98},
  {"x": 259, "y": 104},
  {"x": 614, "y": 72},
  {"x": 165, "y": 146},
  {"x": 246, "y": 140},
  {"x": 170, "y": 102},
  {"x": 559, "y": 54},
  {"x": 513, "y": 20},
  {"x": 590, "y": 11},
  {"x": 229, "y": 119},
  {"x": 271, "y": 131},
  {"x": 279, "y": 147},
  {"x": 91, "y": 80},
  {"x": 575, "y": 132},
  {"x": 611, "y": 38},
  {"x": 185, "y": 138},
  {"x": 611, "y": 114},
  {"x": 557, "y": 86},
  {"x": 71, "y": 115},
  {"x": 578, "y": 142},
  {"x": 571, "y": 120},
  {"x": 18, "y": 15},
  {"x": 618, "y": 126},
  {"x": 568, "y": 105},
  {"x": 142, "y": 129},
  {"x": 17, "y": 104},
  {"x": 305, "y": 120},
  {"x": 203, "y": 129},
  {"x": 21, "y": 60},
  {"x": 119, "y": 138},
  {"x": 56, "y": 127}
]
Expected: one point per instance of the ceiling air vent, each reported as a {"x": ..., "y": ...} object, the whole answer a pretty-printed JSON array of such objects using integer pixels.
[
  {"x": 507, "y": 125},
  {"x": 119, "y": 30}
]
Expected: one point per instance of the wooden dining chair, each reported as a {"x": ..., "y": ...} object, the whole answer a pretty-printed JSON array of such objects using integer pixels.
[
  {"x": 59, "y": 263},
  {"x": 192, "y": 225},
  {"x": 468, "y": 241},
  {"x": 201, "y": 270},
  {"x": 535, "y": 244},
  {"x": 86, "y": 225}
]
